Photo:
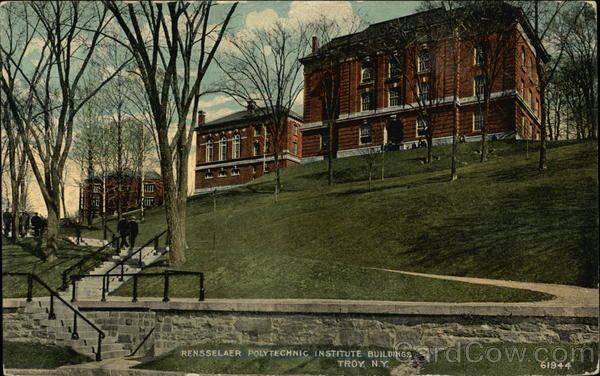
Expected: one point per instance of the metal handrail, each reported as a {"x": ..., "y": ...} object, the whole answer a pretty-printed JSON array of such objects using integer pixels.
[
  {"x": 52, "y": 316},
  {"x": 88, "y": 257},
  {"x": 165, "y": 274},
  {"x": 129, "y": 256}
]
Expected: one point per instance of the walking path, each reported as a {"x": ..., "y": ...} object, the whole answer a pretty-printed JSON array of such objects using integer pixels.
[{"x": 566, "y": 295}]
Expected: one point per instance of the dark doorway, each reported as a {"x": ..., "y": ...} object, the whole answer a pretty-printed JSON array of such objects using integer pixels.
[{"x": 395, "y": 134}]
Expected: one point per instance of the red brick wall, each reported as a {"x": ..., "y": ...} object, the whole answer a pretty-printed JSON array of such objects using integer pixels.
[
  {"x": 248, "y": 139},
  {"x": 503, "y": 113}
]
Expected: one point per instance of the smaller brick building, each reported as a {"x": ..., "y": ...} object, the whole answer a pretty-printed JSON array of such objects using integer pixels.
[
  {"x": 237, "y": 148},
  {"x": 134, "y": 192}
]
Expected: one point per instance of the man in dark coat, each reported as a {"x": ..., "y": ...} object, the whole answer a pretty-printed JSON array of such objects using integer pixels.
[
  {"x": 133, "y": 231},
  {"x": 7, "y": 222},
  {"x": 37, "y": 223},
  {"x": 123, "y": 230}
]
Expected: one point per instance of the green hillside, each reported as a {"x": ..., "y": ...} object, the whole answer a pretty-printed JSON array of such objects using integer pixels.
[{"x": 501, "y": 219}]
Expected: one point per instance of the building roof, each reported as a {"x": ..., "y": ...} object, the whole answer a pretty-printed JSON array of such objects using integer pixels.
[
  {"x": 381, "y": 31},
  {"x": 240, "y": 118},
  {"x": 129, "y": 174}
]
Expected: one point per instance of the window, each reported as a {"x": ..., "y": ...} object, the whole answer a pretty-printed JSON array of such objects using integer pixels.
[
  {"x": 223, "y": 149},
  {"x": 523, "y": 59},
  {"x": 208, "y": 175},
  {"x": 254, "y": 169},
  {"x": 295, "y": 130},
  {"x": 480, "y": 55},
  {"x": 531, "y": 64},
  {"x": 424, "y": 60},
  {"x": 235, "y": 171},
  {"x": 366, "y": 102},
  {"x": 256, "y": 149},
  {"x": 295, "y": 148},
  {"x": 422, "y": 126},
  {"x": 148, "y": 188},
  {"x": 394, "y": 67},
  {"x": 268, "y": 147},
  {"x": 365, "y": 134},
  {"x": 423, "y": 91},
  {"x": 530, "y": 98},
  {"x": 148, "y": 201},
  {"x": 522, "y": 88},
  {"x": 480, "y": 86},
  {"x": 222, "y": 173},
  {"x": 97, "y": 188},
  {"x": 478, "y": 120},
  {"x": 256, "y": 131},
  {"x": 96, "y": 202},
  {"x": 237, "y": 145},
  {"x": 324, "y": 141},
  {"x": 368, "y": 74},
  {"x": 394, "y": 97},
  {"x": 209, "y": 150}
]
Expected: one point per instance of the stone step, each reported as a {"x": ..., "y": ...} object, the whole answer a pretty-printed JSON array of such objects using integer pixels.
[{"x": 114, "y": 354}]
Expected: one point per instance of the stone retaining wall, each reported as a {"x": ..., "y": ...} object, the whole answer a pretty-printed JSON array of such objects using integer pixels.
[{"x": 174, "y": 328}]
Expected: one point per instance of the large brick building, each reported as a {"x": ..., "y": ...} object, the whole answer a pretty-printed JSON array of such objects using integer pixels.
[
  {"x": 238, "y": 148},
  {"x": 134, "y": 192},
  {"x": 379, "y": 91}
]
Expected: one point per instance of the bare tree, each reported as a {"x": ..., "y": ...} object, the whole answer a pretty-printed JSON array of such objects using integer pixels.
[
  {"x": 266, "y": 68},
  {"x": 183, "y": 38},
  {"x": 325, "y": 30},
  {"x": 64, "y": 57}
]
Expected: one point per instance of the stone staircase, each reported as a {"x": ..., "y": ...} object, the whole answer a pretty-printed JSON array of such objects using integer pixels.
[
  {"x": 91, "y": 287},
  {"x": 59, "y": 330}
]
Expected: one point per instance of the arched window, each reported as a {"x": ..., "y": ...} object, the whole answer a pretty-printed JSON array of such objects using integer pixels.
[
  {"x": 523, "y": 58},
  {"x": 424, "y": 60},
  {"x": 236, "y": 146},
  {"x": 256, "y": 150},
  {"x": 223, "y": 149},
  {"x": 209, "y": 150}
]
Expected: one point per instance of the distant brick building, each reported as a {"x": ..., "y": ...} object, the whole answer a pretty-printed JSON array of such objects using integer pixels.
[
  {"x": 378, "y": 94},
  {"x": 237, "y": 148},
  {"x": 92, "y": 195}
]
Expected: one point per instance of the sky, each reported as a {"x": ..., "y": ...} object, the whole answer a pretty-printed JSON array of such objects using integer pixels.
[{"x": 249, "y": 15}]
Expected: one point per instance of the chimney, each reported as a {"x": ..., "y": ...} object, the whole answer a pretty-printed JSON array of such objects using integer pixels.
[
  {"x": 201, "y": 118},
  {"x": 315, "y": 45},
  {"x": 250, "y": 105}
]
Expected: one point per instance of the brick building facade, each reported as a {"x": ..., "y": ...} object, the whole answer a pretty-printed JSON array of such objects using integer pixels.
[
  {"x": 93, "y": 198},
  {"x": 237, "y": 148},
  {"x": 378, "y": 90}
]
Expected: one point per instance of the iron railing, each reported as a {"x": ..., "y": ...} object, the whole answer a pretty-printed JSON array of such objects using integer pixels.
[
  {"x": 165, "y": 274},
  {"x": 79, "y": 264},
  {"x": 139, "y": 251},
  {"x": 51, "y": 315}
]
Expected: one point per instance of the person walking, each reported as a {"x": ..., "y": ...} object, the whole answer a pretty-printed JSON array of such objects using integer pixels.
[
  {"x": 123, "y": 230},
  {"x": 133, "y": 231},
  {"x": 37, "y": 224},
  {"x": 7, "y": 223}
]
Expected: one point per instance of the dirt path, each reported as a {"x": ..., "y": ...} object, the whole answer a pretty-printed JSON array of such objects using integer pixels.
[{"x": 567, "y": 296}]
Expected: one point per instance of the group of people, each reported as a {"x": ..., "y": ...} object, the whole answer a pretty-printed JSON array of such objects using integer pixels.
[
  {"x": 128, "y": 228},
  {"x": 26, "y": 223}
]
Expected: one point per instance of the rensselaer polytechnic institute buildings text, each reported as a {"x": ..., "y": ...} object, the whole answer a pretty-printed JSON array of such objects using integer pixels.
[{"x": 381, "y": 96}]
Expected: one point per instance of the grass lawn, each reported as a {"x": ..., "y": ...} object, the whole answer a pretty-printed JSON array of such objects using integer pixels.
[
  {"x": 247, "y": 362},
  {"x": 501, "y": 219},
  {"x": 26, "y": 257},
  {"x": 515, "y": 359},
  {"x": 36, "y": 355}
]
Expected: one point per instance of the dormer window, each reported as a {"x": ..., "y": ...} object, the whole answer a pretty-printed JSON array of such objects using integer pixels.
[
  {"x": 424, "y": 60},
  {"x": 366, "y": 102},
  {"x": 368, "y": 73},
  {"x": 393, "y": 67}
]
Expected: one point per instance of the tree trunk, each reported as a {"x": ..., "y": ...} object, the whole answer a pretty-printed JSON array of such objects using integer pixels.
[
  {"x": 277, "y": 177},
  {"x": 484, "y": 130},
  {"x": 15, "y": 213},
  {"x": 429, "y": 145},
  {"x": 455, "y": 118},
  {"x": 119, "y": 164},
  {"x": 330, "y": 154},
  {"x": 543, "y": 165},
  {"x": 51, "y": 249}
]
